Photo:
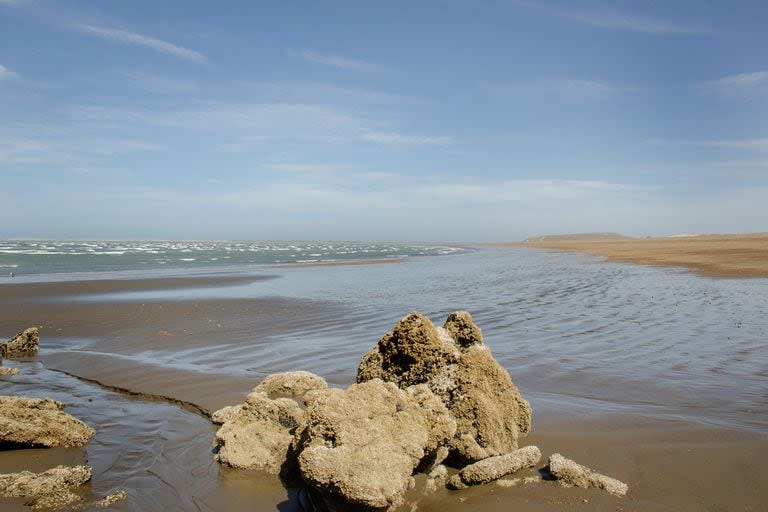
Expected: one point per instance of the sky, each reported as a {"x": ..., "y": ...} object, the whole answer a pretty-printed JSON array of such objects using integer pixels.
[{"x": 431, "y": 120}]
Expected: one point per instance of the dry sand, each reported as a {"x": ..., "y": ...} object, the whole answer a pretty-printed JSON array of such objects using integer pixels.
[{"x": 713, "y": 255}]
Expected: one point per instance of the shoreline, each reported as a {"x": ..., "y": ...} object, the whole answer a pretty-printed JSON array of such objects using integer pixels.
[{"x": 733, "y": 256}]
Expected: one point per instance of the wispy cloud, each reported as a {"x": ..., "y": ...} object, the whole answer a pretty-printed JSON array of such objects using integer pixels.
[
  {"x": 256, "y": 123},
  {"x": 395, "y": 138},
  {"x": 159, "y": 84},
  {"x": 134, "y": 39},
  {"x": 568, "y": 88},
  {"x": 7, "y": 74},
  {"x": 746, "y": 85},
  {"x": 756, "y": 144},
  {"x": 337, "y": 61},
  {"x": 615, "y": 20}
]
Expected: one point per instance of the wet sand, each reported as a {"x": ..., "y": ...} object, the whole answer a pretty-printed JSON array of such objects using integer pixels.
[
  {"x": 713, "y": 255},
  {"x": 154, "y": 439}
]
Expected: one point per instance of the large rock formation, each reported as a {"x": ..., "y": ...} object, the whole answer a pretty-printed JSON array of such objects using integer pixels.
[
  {"x": 569, "y": 472},
  {"x": 52, "y": 489},
  {"x": 455, "y": 364},
  {"x": 26, "y": 343},
  {"x": 40, "y": 422},
  {"x": 258, "y": 433},
  {"x": 361, "y": 445}
]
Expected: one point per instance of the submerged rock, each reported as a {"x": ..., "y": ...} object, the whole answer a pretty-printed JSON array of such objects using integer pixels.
[
  {"x": 50, "y": 489},
  {"x": 40, "y": 422},
  {"x": 569, "y": 472},
  {"x": 258, "y": 433},
  {"x": 26, "y": 343},
  {"x": 493, "y": 468},
  {"x": 489, "y": 411},
  {"x": 8, "y": 371},
  {"x": 360, "y": 445},
  {"x": 112, "y": 498}
]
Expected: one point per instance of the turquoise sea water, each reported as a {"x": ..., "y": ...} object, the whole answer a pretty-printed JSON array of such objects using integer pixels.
[{"x": 52, "y": 256}]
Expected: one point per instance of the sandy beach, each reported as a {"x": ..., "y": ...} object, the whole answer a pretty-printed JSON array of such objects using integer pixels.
[
  {"x": 145, "y": 361},
  {"x": 713, "y": 255}
]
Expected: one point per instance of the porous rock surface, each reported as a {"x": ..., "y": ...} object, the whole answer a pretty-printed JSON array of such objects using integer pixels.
[
  {"x": 26, "y": 343},
  {"x": 454, "y": 363},
  {"x": 51, "y": 489},
  {"x": 258, "y": 433},
  {"x": 39, "y": 422},
  {"x": 361, "y": 445},
  {"x": 493, "y": 468},
  {"x": 569, "y": 472}
]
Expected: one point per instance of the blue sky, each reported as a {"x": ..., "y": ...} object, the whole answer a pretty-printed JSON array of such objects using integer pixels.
[{"x": 430, "y": 120}]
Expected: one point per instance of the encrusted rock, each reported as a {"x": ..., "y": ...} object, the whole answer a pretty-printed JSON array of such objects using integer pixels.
[
  {"x": 8, "y": 371},
  {"x": 493, "y": 468},
  {"x": 361, "y": 445},
  {"x": 457, "y": 366},
  {"x": 40, "y": 422},
  {"x": 26, "y": 343},
  {"x": 290, "y": 384},
  {"x": 112, "y": 498},
  {"x": 226, "y": 414},
  {"x": 258, "y": 433},
  {"x": 50, "y": 489},
  {"x": 569, "y": 472},
  {"x": 462, "y": 329},
  {"x": 437, "y": 478}
]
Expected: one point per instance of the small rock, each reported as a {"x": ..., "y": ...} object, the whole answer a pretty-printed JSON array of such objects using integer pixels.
[
  {"x": 570, "y": 472},
  {"x": 26, "y": 343},
  {"x": 112, "y": 498},
  {"x": 454, "y": 483},
  {"x": 437, "y": 478},
  {"x": 40, "y": 422},
  {"x": 50, "y": 489},
  {"x": 8, "y": 371},
  {"x": 493, "y": 468}
]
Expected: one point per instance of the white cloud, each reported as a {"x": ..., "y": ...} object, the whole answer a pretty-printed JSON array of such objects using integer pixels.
[
  {"x": 395, "y": 138},
  {"x": 7, "y": 74},
  {"x": 337, "y": 61},
  {"x": 615, "y": 20},
  {"x": 134, "y": 39},
  {"x": 744, "y": 85}
]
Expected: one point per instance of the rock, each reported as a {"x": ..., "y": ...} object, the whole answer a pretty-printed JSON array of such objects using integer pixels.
[
  {"x": 454, "y": 483},
  {"x": 40, "y": 422},
  {"x": 361, "y": 445},
  {"x": 568, "y": 472},
  {"x": 50, "y": 489},
  {"x": 110, "y": 499},
  {"x": 8, "y": 371},
  {"x": 26, "y": 343},
  {"x": 437, "y": 478},
  {"x": 258, "y": 433},
  {"x": 462, "y": 329},
  {"x": 493, "y": 468},
  {"x": 514, "y": 482},
  {"x": 290, "y": 384},
  {"x": 453, "y": 361},
  {"x": 226, "y": 414}
]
